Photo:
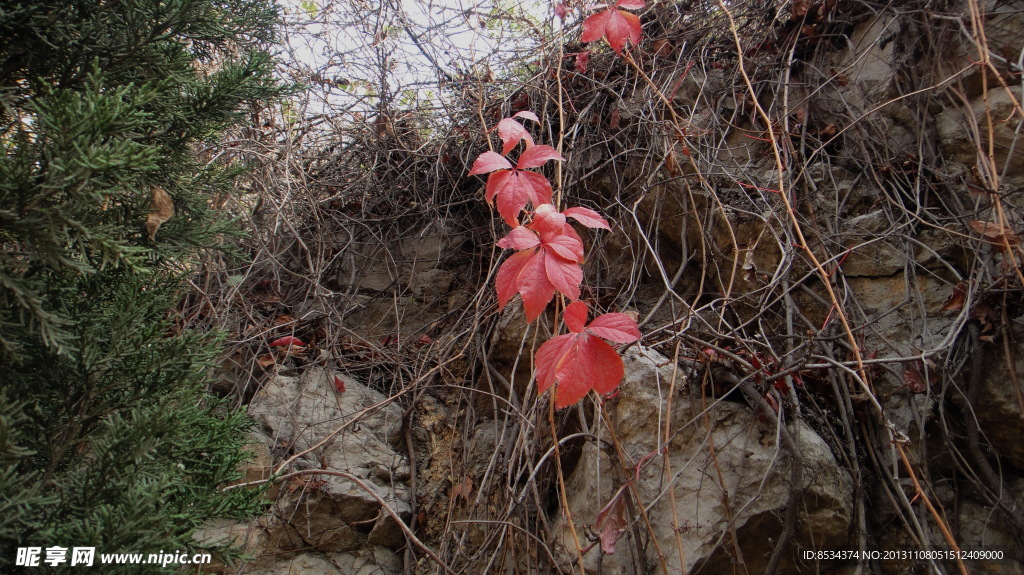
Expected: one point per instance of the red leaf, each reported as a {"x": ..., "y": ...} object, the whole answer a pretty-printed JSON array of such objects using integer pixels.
[
  {"x": 511, "y": 132},
  {"x": 617, "y": 327},
  {"x": 537, "y": 156},
  {"x": 528, "y": 115},
  {"x": 505, "y": 280},
  {"x": 956, "y": 301},
  {"x": 631, "y": 4},
  {"x": 495, "y": 183},
  {"x": 565, "y": 276},
  {"x": 519, "y": 239},
  {"x": 611, "y": 521},
  {"x": 547, "y": 220},
  {"x": 582, "y": 59},
  {"x": 587, "y": 217},
  {"x": 588, "y": 363},
  {"x": 488, "y": 162},
  {"x": 339, "y": 384},
  {"x": 286, "y": 340},
  {"x": 537, "y": 186},
  {"x": 514, "y": 189},
  {"x": 512, "y": 199},
  {"x": 606, "y": 365},
  {"x": 547, "y": 357},
  {"x": 561, "y": 11},
  {"x": 575, "y": 316},
  {"x": 533, "y": 284},
  {"x": 616, "y": 25},
  {"x": 566, "y": 246}
]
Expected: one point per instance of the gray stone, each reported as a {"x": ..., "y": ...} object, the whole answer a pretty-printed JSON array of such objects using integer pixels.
[
  {"x": 685, "y": 486},
  {"x": 356, "y": 428}
]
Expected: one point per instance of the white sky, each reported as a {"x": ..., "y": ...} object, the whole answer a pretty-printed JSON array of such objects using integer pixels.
[{"x": 461, "y": 35}]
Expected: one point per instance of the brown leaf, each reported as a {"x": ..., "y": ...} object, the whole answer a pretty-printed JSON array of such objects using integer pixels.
[
  {"x": 283, "y": 319},
  {"x": 662, "y": 47},
  {"x": 613, "y": 119},
  {"x": 463, "y": 488},
  {"x": 956, "y": 301},
  {"x": 611, "y": 521},
  {"x": 266, "y": 361},
  {"x": 161, "y": 209},
  {"x": 995, "y": 234},
  {"x": 672, "y": 164},
  {"x": 914, "y": 379}
]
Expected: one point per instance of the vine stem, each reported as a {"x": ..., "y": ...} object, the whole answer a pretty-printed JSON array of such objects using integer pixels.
[
  {"x": 861, "y": 373},
  {"x": 561, "y": 481}
]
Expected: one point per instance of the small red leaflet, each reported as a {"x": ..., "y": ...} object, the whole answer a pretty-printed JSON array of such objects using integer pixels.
[
  {"x": 582, "y": 59},
  {"x": 286, "y": 340},
  {"x": 616, "y": 25},
  {"x": 581, "y": 361},
  {"x": 512, "y": 132},
  {"x": 611, "y": 521},
  {"x": 339, "y": 384}
]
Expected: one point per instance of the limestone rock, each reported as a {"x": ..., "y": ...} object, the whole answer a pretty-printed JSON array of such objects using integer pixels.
[
  {"x": 356, "y": 428},
  {"x": 689, "y": 505}
]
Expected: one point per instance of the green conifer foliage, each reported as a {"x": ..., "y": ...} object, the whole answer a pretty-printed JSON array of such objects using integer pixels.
[{"x": 106, "y": 436}]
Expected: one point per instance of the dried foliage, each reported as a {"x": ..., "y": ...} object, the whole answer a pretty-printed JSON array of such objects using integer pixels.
[{"x": 812, "y": 215}]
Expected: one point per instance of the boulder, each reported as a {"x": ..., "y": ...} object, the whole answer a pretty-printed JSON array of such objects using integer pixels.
[
  {"x": 720, "y": 494},
  {"x": 357, "y": 428}
]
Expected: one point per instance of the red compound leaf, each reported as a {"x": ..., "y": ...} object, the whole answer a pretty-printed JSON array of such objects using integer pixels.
[
  {"x": 616, "y": 25},
  {"x": 555, "y": 266},
  {"x": 581, "y": 361},
  {"x": 514, "y": 187}
]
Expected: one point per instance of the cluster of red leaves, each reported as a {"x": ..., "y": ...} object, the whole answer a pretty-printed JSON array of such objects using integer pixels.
[
  {"x": 549, "y": 259},
  {"x": 549, "y": 252}
]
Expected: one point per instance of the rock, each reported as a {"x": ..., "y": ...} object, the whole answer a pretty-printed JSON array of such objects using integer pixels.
[
  {"x": 369, "y": 561},
  {"x": 999, "y": 406},
  {"x": 357, "y": 428},
  {"x": 248, "y": 537},
  {"x": 756, "y": 475},
  {"x": 261, "y": 466},
  {"x": 377, "y": 266},
  {"x": 301, "y": 564},
  {"x": 954, "y": 123}
]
